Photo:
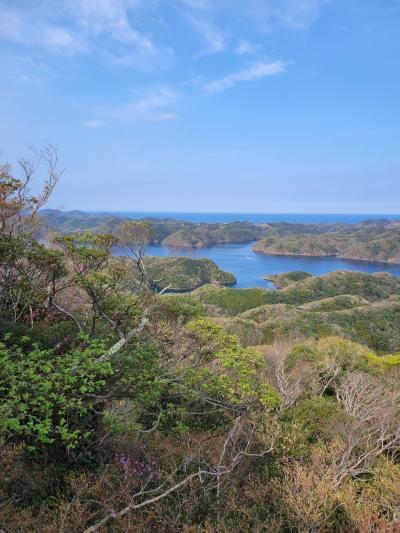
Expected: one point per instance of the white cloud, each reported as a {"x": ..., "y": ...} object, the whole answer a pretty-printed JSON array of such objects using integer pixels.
[
  {"x": 25, "y": 28},
  {"x": 93, "y": 123},
  {"x": 109, "y": 17},
  {"x": 11, "y": 25},
  {"x": 73, "y": 25},
  {"x": 123, "y": 30},
  {"x": 217, "y": 22},
  {"x": 297, "y": 14},
  {"x": 60, "y": 39},
  {"x": 255, "y": 72},
  {"x": 262, "y": 15},
  {"x": 212, "y": 37},
  {"x": 244, "y": 47},
  {"x": 160, "y": 59},
  {"x": 153, "y": 107}
]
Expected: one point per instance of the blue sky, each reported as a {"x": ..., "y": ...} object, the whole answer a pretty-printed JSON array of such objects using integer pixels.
[{"x": 208, "y": 105}]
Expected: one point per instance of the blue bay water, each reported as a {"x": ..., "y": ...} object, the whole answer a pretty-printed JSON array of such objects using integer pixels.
[{"x": 250, "y": 267}]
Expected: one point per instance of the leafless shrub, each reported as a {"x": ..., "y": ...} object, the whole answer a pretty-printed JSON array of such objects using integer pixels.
[
  {"x": 305, "y": 493},
  {"x": 134, "y": 237},
  {"x": 291, "y": 381},
  {"x": 373, "y": 428}
]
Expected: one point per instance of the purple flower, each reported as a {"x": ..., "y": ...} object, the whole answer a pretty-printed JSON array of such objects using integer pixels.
[{"x": 136, "y": 470}]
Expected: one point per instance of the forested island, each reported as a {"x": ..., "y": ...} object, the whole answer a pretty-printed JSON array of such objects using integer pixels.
[
  {"x": 372, "y": 240},
  {"x": 126, "y": 408},
  {"x": 183, "y": 274}
]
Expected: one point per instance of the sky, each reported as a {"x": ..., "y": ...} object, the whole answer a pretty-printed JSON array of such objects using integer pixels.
[{"x": 289, "y": 106}]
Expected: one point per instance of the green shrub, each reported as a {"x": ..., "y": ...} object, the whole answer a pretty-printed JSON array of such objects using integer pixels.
[{"x": 47, "y": 399}]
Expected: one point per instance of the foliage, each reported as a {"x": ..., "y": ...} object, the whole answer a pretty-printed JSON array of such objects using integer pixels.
[
  {"x": 373, "y": 288},
  {"x": 180, "y": 306},
  {"x": 184, "y": 274},
  {"x": 286, "y": 278},
  {"x": 235, "y": 372},
  {"x": 48, "y": 398},
  {"x": 369, "y": 241},
  {"x": 235, "y": 301}
]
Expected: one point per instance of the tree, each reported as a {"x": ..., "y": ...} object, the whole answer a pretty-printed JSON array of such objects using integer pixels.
[
  {"x": 95, "y": 272},
  {"x": 18, "y": 206},
  {"x": 28, "y": 269},
  {"x": 134, "y": 237}
]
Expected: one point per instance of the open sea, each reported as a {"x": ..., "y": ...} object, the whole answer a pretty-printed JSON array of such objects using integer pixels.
[
  {"x": 250, "y": 267},
  {"x": 259, "y": 218}
]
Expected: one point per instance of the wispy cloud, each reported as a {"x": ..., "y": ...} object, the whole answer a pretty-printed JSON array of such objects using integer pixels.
[
  {"x": 73, "y": 25},
  {"x": 11, "y": 25},
  {"x": 93, "y": 124},
  {"x": 109, "y": 17},
  {"x": 25, "y": 28},
  {"x": 262, "y": 15},
  {"x": 211, "y": 36},
  {"x": 296, "y": 14},
  {"x": 245, "y": 47},
  {"x": 220, "y": 22},
  {"x": 255, "y": 72},
  {"x": 59, "y": 39},
  {"x": 125, "y": 28},
  {"x": 154, "y": 106},
  {"x": 160, "y": 59}
]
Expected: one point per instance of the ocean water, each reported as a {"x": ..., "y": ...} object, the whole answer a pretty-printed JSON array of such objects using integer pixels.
[
  {"x": 259, "y": 218},
  {"x": 250, "y": 267}
]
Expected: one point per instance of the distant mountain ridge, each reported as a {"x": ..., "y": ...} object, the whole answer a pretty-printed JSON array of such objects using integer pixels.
[{"x": 371, "y": 240}]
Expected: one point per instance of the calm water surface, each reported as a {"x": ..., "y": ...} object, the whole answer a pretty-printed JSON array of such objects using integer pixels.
[{"x": 250, "y": 267}]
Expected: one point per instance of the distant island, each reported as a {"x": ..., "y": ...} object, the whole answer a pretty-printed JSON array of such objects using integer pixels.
[
  {"x": 183, "y": 274},
  {"x": 371, "y": 240}
]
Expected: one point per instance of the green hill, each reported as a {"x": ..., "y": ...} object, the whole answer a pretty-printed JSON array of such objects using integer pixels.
[
  {"x": 183, "y": 274},
  {"x": 361, "y": 307},
  {"x": 369, "y": 241}
]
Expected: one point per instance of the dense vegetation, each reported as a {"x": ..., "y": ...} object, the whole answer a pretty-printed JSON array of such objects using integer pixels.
[
  {"x": 361, "y": 307},
  {"x": 373, "y": 287},
  {"x": 184, "y": 274},
  {"x": 126, "y": 409},
  {"x": 370, "y": 241}
]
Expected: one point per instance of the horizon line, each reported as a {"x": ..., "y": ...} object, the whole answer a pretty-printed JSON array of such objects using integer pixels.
[{"x": 224, "y": 212}]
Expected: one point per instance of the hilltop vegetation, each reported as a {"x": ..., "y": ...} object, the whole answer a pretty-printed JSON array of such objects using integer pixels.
[
  {"x": 184, "y": 274},
  {"x": 286, "y": 278},
  {"x": 370, "y": 241},
  {"x": 372, "y": 287},
  {"x": 210, "y": 234},
  {"x": 361, "y": 307},
  {"x": 126, "y": 409}
]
